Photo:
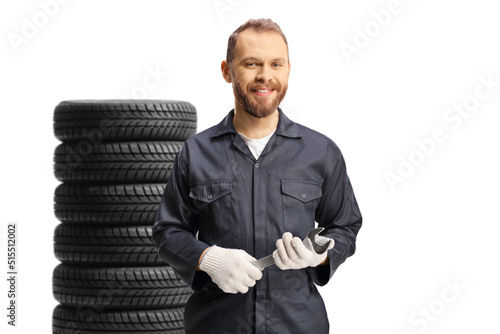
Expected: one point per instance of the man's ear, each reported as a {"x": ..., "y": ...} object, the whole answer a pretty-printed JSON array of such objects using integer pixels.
[{"x": 226, "y": 71}]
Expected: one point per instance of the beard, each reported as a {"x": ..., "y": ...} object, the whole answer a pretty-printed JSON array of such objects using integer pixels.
[{"x": 259, "y": 109}]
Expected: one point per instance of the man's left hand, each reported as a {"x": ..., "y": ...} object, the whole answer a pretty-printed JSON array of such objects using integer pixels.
[{"x": 292, "y": 253}]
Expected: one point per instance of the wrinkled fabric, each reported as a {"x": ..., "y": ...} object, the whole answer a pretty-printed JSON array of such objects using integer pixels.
[{"x": 220, "y": 194}]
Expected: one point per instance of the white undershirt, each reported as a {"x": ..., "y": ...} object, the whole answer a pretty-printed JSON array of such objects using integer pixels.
[{"x": 256, "y": 146}]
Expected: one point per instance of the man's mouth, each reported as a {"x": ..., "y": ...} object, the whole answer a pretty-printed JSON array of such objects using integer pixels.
[{"x": 263, "y": 92}]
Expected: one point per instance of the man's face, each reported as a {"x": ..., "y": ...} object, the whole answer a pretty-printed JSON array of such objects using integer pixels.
[{"x": 259, "y": 72}]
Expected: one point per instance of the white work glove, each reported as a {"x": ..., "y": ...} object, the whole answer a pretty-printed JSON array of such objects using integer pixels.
[
  {"x": 292, "y": 253},
  {"x": 231, "y": 269}
]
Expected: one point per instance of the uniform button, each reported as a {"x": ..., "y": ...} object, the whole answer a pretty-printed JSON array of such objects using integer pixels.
[
  {"x": 209, "y": 196},
  {"x": 256, "y": 165},
  {"x": 304, "y": 195}
]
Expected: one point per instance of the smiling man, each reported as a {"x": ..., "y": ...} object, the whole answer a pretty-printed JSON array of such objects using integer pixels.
[
  {"x": 259, "y": 71},
  {"x": 251, "y": 186}
]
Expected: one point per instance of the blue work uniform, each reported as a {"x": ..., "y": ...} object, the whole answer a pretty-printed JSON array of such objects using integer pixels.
[{"x": 220, "y": 194}]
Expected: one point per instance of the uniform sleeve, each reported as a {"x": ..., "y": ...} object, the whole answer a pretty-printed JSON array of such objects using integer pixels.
[
  {"x": 175, "y": 227},
  {"x": 338, "y": 213}
]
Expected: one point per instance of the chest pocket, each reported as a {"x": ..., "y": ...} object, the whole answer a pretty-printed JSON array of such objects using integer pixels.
[
  {"x": 213, "y": 200},
  {"x": 300, "y": 199}
]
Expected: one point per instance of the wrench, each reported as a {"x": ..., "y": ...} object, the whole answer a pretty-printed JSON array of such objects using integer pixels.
[{"x": 311, "y": 235}]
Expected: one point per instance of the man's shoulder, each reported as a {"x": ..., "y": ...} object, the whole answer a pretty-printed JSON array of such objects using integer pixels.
[
  {"x": 215, "y": 130},
  {"x": 202, "y": 135},
  {"x": 315, "y": 137},
  {"x": 195, "y": 142},
  {"x": 199, "y": 141}
]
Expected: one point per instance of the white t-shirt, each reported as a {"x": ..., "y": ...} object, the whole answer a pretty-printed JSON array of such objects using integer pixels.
[{"x": 256, "y": 146}]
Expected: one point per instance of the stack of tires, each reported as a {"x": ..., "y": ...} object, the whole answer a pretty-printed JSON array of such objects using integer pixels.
[{"x": 114, "y": 162}]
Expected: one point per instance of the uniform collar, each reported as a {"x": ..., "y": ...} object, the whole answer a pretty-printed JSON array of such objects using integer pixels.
[{"x": 286, "y": 127}]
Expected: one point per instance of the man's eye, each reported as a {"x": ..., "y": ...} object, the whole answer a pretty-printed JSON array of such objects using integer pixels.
[
  {"x": 251, "y": 64},
  {"x": 276, "y": 65}
]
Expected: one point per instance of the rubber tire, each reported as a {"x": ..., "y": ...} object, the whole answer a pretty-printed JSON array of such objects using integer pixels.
[
  {"x": 110, "y": 255},
  {"x": 119, "y": 288},
  {"x": 119, "y": 120},
  {"x": 135, "y": 214},
  {"x": 149, "y": 193},
  {"x": 71, "y": 320},
  {"x": 83, "y": 234},
  {"x": 117, "y": 162}
]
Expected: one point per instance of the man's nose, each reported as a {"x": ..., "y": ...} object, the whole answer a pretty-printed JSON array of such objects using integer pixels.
[{"x": 264, "y": 74}]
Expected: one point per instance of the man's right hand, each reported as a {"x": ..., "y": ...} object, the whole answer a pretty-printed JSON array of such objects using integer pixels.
[{"x": 231, "y": 269}]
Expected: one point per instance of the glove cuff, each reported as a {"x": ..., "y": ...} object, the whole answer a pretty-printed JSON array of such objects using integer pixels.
[{"x": 212, "y": 259}]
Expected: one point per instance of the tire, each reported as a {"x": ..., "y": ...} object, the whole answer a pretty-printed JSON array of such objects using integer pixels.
[
  {"x": 119, "y": 288},
  {"x": 71, "y": 320},
  {"x": 135, "y": 214},
  {"x": 149, "y": 193},
  {"x": 135, "y": 255},
  {"x": 83, "y": 234},
  {"x": 117, "y": 172},
  {"x": 125, "y": 162},
  {"x": 123, "y": 120}
]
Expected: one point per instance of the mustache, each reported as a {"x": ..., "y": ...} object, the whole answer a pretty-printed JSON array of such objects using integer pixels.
[{"x": 275, "y": 86}]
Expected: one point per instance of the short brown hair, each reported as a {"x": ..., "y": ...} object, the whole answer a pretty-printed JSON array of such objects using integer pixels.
[{"x": 259, "y": 25}]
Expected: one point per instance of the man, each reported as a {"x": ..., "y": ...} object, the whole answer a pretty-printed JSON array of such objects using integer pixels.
[{"x": 251, "y": 186}]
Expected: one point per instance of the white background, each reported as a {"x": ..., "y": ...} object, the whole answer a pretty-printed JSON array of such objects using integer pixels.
[{"x": 437, "y": 228}]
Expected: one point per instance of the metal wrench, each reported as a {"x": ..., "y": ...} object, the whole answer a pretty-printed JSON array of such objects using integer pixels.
[{"x": 311, "y": 235}]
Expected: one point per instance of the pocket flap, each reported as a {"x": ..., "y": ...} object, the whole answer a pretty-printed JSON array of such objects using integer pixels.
[
  {"x": 304, "y": 191},
  {"x": 211, "y": 190}
]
